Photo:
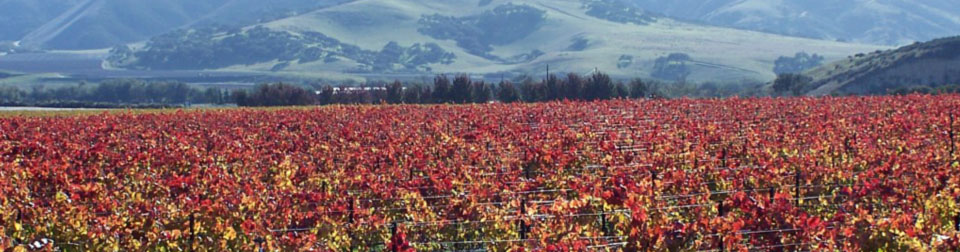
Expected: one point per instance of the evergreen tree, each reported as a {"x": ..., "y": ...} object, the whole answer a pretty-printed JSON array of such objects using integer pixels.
[
  {"x": 621, "y": 91},
  {"x": 411, "y": 95},
  {"x": 394, "y": 92},
  {"x": 599, "y": 87},
  {"x": 638, "y": 89},
  {"x": 461, "y": 92},
  {"x": 573, "y": 87},
  {"x": 279, "y": 94},
  {"x": 507, "y": 92},
  {"x": 553, "y": 91},
  {"x": 441, "y": 89},
  {"x": 326, "y": 95},
  {"x": 481, "y": 92},
  {"x": 241, "y": 97},
  {"x": 531, "y": 91},
  {"x": 425, "y": 94},
  {"x": 791, "y": 84}
]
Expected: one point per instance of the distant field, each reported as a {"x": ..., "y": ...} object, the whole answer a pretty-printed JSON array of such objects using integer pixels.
[
  {"x": 46, "y": 68},
  {"x": 791, "y": 174},
  {"x": 49, "y": 62},
  {"x": 67, "y": 112}
]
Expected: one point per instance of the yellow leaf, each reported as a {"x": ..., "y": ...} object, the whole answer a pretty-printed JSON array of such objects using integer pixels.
[
  {"x": 230, "y": 234},
  {"x": 17, "y": 227},
  {"x": 61, "y": 196}
]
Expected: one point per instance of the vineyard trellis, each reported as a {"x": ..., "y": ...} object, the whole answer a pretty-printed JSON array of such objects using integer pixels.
[{"x": 613, "y": 175}]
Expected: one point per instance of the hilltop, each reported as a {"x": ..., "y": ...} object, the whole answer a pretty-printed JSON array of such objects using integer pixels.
[
  {"x": 888, "y": 22},
  {"x": 95, "y": 24},
  {"x": 433, "y": 36},
  {"x": 931, "y": 64}
]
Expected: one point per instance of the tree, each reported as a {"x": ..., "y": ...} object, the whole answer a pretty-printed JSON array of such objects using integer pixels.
[
  {"x": 326, "y": 95},
  {"x": 481, "y": 92},
  {"x": 11, "y": 94},
  {"x": 621, "y": 91},
  {"x": 425, "y": 94},
  {"x": 461, "y": 92},
  {"x": 553, "y": 90},
  {"x": 411, "y": 95},
  {"x": 441, "y": 89},
  {"x": 797, "y": 64},
  {"x": 394, "y": 92},
  {"x": 241, "y": 97},
  {"x": 672, "y": 68},
  {"x": 638, "y": 89},
  {"x": 507, "y": 92},
  {"x": 599, "y": 87},
  {"x": 279, "y": 94},
  {"x": 573, "y": 87},
  {"x": 532, "y": 91},
  {"x": 795, "y": 84},
  {"x": 213, "y": 96}
]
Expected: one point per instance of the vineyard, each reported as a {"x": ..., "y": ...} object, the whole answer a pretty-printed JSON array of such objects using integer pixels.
[{"x": 758, "y": 174}]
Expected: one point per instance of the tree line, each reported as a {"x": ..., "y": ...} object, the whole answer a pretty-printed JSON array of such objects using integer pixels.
[
  {"x": 457, "y": 89},
  {"x": 460, "y": 89},
  {"x": 114, "y": 93}
]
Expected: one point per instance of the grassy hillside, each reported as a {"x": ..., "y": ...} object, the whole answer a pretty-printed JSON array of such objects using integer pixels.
[
  {"x": 569, "y": 35},
  {"x": 890, "y": 22},
  {"x": 94, "y": 24},
  {"x": 931, "y": 64},
  {"x": 19, "y": 17}
]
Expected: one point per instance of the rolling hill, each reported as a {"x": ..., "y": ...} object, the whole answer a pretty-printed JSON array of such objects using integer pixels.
[
  {"x": 491, "y": 37},
  {"x": 95, "y": 24},
  {"x": 887, "y": 22},
  {"x": 931, "y": 64}
]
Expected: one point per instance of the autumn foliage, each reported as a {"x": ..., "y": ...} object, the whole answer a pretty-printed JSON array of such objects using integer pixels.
[{"x": 846, "y": 174}]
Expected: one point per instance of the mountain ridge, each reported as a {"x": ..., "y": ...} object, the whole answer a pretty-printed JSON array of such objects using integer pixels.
[
  {"x": 930, "y": 64},
  {"x": 888, "y": 22},
  {"x": 97, "y": 24},
  {"x": 570, "y": 36}
]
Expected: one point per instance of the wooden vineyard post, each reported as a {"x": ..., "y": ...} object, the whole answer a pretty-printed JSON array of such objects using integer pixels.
[
  {"x": 720, "y": 208},
  {"x": 953, "y": 147},
  {"x": 772, "y": 195},
  {"x": 720, "y": 214},
  {"x": 796, "y": 189},
  {"x": 393, "y": 235},
  {"x": 393, "y": 229},
  {"x": 526, "y": 171},
  {"x": 350, "y": 213},
  {"x": 259, "y": 241},
  {"x": 603, "y": 223},
  {"x": 956, "y": 222},
  {"x": 19, "y": 221},
  {"x": 653, "y": 182},
  {"x": 723, "y": 158},
  {"x": 350, "y": 223},
  {"x": 192, "y": 232},
  {"x": 522, "y": 224}
]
